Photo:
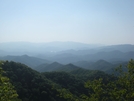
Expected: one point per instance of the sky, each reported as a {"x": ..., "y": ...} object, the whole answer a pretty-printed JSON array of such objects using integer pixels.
[{"x": 85, "y": 21}]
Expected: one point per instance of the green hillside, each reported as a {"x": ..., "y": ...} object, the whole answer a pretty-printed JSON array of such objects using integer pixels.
[
  {"x": 30, "y": 85},
  {"x": 69, "y": 83},
  {"x": 34, "y": 86}
]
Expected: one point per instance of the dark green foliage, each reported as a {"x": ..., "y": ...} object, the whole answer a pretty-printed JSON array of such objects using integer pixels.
[
  {"x": 68, "y": 83},
  {"x": 121, "y": 89},
  {"x": 30, "y": 85},
  {"x": 52, "y": 86},
  {"x": 85, "y": 75},
  {"x": 7, "y": 91}
]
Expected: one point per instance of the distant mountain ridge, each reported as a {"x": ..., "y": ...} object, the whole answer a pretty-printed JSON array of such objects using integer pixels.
[
  {"x": 100, "y": 65},
  {"x": 120, "y": 47},
  {"x": 55, "y": 66},
  {"x": 35, "y": 48},
  {"x": 110, "y": 56},
  {"x": 79, "y": 54},
  {"x": 25, "y": 59}
]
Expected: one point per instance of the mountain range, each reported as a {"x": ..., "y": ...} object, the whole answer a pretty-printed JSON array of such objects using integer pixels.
[
  {"x": 60, "y": 54},
  {"x": 59, "y": 71}
]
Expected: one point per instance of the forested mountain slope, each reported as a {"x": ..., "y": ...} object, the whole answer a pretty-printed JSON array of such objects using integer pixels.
[
  {"x": 34, "y": 86},
  {"x": 30, "y": 85},
  {"x": 74, "y": 84}
]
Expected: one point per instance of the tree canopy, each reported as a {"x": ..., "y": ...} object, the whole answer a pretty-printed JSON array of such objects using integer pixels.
[
  {"x": 65, "y": 86},
  {"x": 7, "y": 91},
  {"x": 121, "y": 89}
]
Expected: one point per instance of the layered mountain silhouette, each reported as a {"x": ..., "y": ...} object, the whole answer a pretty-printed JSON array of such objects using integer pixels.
[
  {"x": 56, "y": 56},
  {"x": 25, "y": 59}
]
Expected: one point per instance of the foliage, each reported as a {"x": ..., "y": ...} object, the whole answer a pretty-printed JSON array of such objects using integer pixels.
[
  {"x": 67, "y": 81},
  {"x": 122, "y": 89},
  {"x": 68, "y": 86},
  {"x": 30, "y": 84},
  {"x": 7, "y": 92}
]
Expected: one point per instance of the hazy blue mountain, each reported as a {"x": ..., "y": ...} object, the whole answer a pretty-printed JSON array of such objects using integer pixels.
[
  {"x": 101, "y": 65},
  {"x": 3, "y": 53},
  {"x": 80, "y": 52},
  {"x": 68, "y": 52},
  {"x": 55, "y": 66},
  {"x": 98, "y": 65},
  {"x": 71, "y": 45},
  {"x": 65, "y": 58},
  {"x": 48, "y": 67},
  {"x": 68, "y": 68},
  {"x": 83, "y": 64},
  {"x": 20, "y": 48},
  {"x": 30, "y": 61},
  {"x": 122, "y": 48},
  {"x": 110, "y": 56}
]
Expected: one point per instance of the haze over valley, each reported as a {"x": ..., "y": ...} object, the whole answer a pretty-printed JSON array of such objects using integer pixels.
[{"x": 88, "y": 56}]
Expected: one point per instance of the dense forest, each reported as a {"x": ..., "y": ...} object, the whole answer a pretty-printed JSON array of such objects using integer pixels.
[{"x": 19, "y": 82}]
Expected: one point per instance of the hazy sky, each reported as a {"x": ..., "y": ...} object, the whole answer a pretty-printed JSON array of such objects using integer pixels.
[{"x": 87, "y": 21}]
